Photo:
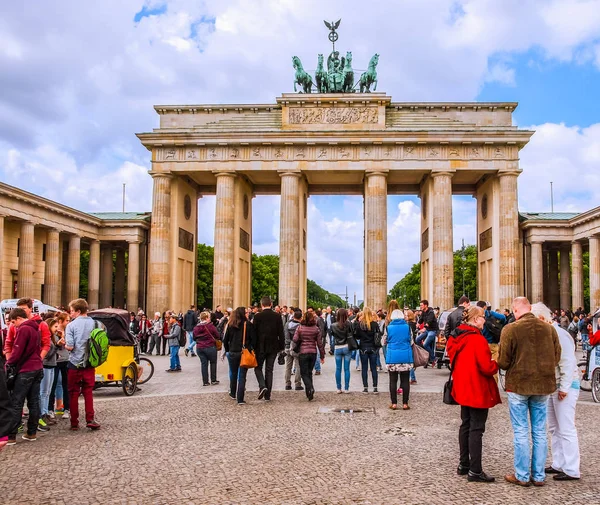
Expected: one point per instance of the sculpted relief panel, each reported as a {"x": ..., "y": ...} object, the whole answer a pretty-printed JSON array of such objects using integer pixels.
[{"x": 327, "y": 115}]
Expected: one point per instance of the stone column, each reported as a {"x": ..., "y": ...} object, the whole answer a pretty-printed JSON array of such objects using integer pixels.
[
  {"x": 376, "y": 240},
  {"x": 289, "y": 240},
  {"x": 545, "y": 274},
  {"x": 553, "y": 292},
  {"x": 106, "y": 277},
  {"x": 94, "y": 275},
  {"x": 594, "y": 273},
  {"x": 26, "y": 250},
  {"x": 577, "y": 274},
  {"x": 565, "y": 278},
  {"x": 159, "y": 282},
  {"x": 133, "y": 276},
  {"x": 442, "y": 244},
  {"x": 51, "y": 274},
  {"x": 119, "y": 295},
  {"x": 74, "y": 263},
  {"x": 2, "y": 257},
  {"x": 537, "y": 272},
  {"x": 508, "y": 239},
  {"x": 223, "y": 278}
]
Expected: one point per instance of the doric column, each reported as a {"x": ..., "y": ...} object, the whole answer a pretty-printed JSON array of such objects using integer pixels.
[
  {"x": 159, "y": 282},
  {"x": 133, "y": 276},
  {"x": 537, "y": 272},
  {"x": 442, "y": 252},
  {"x": 119, "y": 295},
  {"x": 74, "y": 263},
  {"x": 106, "y": 276},
  {"x": 290, "y": 240},
  {"x": 376, "y": 240},
  {"x": 508, "y": 238},
  {"x": 553, "y": 292},
  {"x": 94, "y": 275},
  {"x": 577, "y": 274},
  {"x": 51, "y": 275},
  {"x": 2, "y": 296},
  {"x": 26, "y": 249},
  {"x": 594, "y": 273},
  {"x": 223, "y": 278},
  {"x": 565, "y": 278},
  {"x": 545, "y": 274}
]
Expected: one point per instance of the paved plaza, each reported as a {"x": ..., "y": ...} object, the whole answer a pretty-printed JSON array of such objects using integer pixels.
[{"x": 179, "y": 442}]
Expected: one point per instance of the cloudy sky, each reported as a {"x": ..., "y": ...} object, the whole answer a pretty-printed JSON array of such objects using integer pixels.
[{"x": 78, "y": 79}]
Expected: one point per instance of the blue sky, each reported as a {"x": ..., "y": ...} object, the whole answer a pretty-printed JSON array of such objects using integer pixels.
[{"x": 75, "y": 93}]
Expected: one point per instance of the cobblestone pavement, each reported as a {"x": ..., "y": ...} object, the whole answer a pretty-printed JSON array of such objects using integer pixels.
[{"x": 179, "y": 442}]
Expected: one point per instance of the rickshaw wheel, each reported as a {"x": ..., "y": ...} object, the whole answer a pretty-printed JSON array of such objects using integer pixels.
[
  {"x": 148, "y": 370},
  {"x": 585, "y": 382},
  {"x": 130, "y": 379},
  {"x": 596, "y": 385}
]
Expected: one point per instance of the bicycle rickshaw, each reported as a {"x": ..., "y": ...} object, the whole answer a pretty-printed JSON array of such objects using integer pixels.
[
  {"x": 590, "y": 367},
  {"x": 123, "y": 367}
]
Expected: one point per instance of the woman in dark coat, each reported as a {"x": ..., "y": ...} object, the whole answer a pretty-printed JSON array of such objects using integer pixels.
[
  {"x": 474, "y": 389},
  {"x": 239, "y": 334},
  {"x": 306, "y": 341}
]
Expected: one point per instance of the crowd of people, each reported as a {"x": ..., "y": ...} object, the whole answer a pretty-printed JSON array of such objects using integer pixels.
[{"x": 45, "y": 365}]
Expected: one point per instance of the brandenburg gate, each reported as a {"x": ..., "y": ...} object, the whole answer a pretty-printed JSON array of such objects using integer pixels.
[{"x": 332, "y": 143}]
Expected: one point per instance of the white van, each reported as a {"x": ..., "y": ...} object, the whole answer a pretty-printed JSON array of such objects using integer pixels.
[{"x": 7, "y": 305}]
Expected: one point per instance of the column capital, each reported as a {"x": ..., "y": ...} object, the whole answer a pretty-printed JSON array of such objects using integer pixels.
[
  {"x": 536, "y": 242},
  {"x": 134, "y": 241},
  {"x": 437, "y": 173},
  {"x": 225, "y": 174},
  {"x": 511, "y": 172},
  {"x": 290, "y": 173},
  {"x": 156, "y": 175},
  {"x": 369, "y": 173}
]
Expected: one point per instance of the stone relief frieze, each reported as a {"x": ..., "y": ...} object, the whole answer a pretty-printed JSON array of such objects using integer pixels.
[
  {"x": 328, "y": 115},
  {"x": 341, "y": 152}
]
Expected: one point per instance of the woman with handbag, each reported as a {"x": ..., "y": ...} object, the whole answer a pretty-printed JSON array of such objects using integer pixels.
[
  {"x": 344, "y": 344},
  {"x": 398, "y": 358},
  {"x": 239, "y": 335},
  {"x": 473, "y": 388},
  {"x": 366, "y": 331},
  {"x": 207, "y": 340},
  {"x": 307, "y": 340}
]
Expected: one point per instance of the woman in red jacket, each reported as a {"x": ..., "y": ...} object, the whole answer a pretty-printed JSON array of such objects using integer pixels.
[{"x": 474, "y": 389}]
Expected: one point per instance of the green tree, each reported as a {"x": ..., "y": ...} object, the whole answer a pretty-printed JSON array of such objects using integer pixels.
[
  {"x": 319, "y": 297},
  {"x": 206, "y": 256},
  {"x": 265, "y": 277},
  {"x": 408, "y": 289},
  {"x": 84, "y": 266}
]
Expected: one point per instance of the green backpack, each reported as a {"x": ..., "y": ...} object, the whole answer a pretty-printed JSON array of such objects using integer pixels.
[{"x": 98, "y": 345}]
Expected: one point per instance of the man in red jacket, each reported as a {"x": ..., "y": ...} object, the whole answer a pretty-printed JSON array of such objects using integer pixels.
[
  {"x": 26, "y": 359},
  {"x": 27, "y": 305}
]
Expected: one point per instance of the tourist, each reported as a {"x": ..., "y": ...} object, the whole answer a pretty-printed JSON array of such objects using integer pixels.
[
  {"x": 26, "y": 358},
  {"x": 216, "y": 316},
  {"x": 399, "y": 357},
  {"x": 323, "y": 329},
  {"x": 473, "y": 388},
  {"x": 291, "y": 360},
  {"x": 307, "y": 339},
  {"x": 156, "y": 330},
  {"x": 456, "y": 316},
  {"x": 190, "y": 320},
  {"x": 410, "y": 317},
  {"x": 561, "y": 405},
  {"x": 206, "y": 337},
  {"x": 430, "y": 329},
  {"x": 329, "y": 319},
  {"x": 172, "y": 337},
  {"x": 268, "y": 329},
  {"x": 59, "y": 398},
  {"x": 365, "y": 332},
  {"x": 81, "y": 376},
  {"x": 165, "y": 331},
  {"x": 510, "y": 317},
  {"x": 6, "y": 410},
  {"x": 49, "y": 364},
  {"x": 529, "y": 352},
  {"x": 144, "y": 333},
  {"x": 239, "y": 334},
  {"x": 26, "y": 304},
  {"x": 341, "y": 331},
  {"x": 564, "y": 320},
  {"x": 222, "y": 324},
  {"x": 493, "y": 340}
]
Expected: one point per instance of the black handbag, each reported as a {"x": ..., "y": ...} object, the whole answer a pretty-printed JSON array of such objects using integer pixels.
[
  {"x": 448, "y": 399},
  {"x": 11, "y": 376},
  {"x": 352, "y": 343}
]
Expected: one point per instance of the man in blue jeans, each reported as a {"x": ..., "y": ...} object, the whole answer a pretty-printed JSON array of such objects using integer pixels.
[
  {"x": 430, "y": 324},
  {"x": 529, "y": 352}
]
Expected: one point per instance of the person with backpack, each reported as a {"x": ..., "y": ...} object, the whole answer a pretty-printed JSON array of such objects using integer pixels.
[
  {"x": 25, "y": 365},
  {"x": 81, "y": 376},
  {"x": 494, "y": 322}
]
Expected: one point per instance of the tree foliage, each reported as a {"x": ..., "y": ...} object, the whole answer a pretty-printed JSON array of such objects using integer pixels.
[
  {"x": 319, "y": 297},
  {"x": 265, "y": 277},
  {"x": 408, "y": 289},
  {"x": 206, "y": 256}
]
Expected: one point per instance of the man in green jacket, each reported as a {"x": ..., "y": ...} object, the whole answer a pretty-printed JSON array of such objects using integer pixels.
[{"x": 529, "y": 352}]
